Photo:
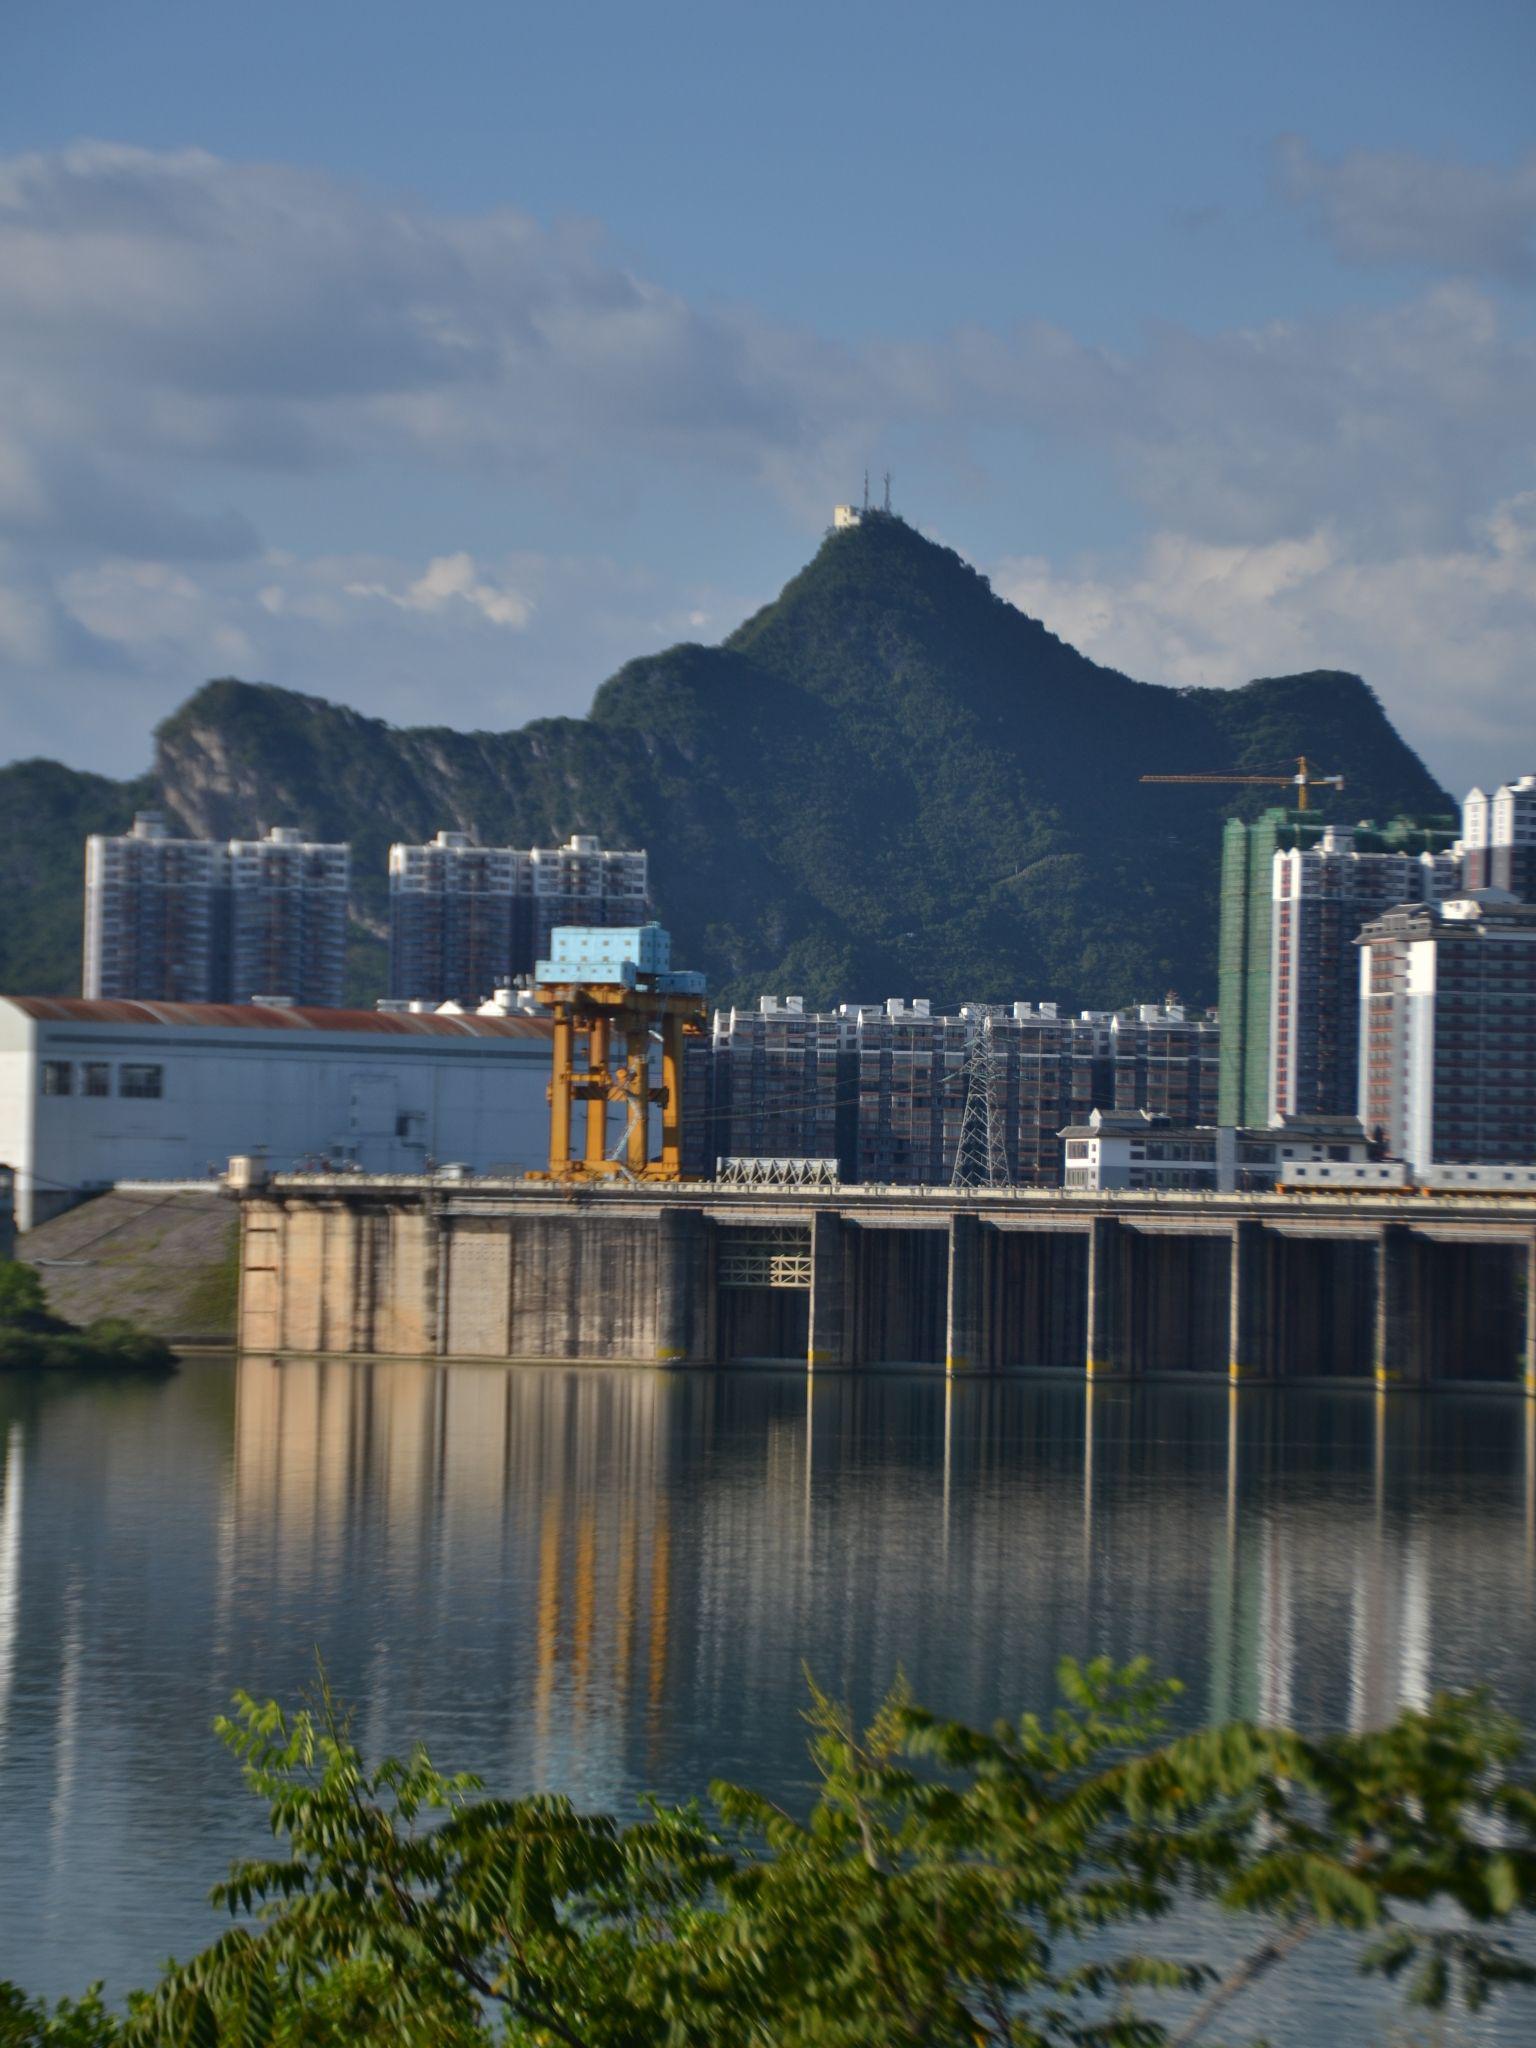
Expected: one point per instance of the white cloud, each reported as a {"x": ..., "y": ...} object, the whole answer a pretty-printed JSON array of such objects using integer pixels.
[
  {"x": 202, "y": 309},
  {"x": 1383, "y": 207},
  {"x": 162, "y": 313},
  {"x": 182, "y": 338},
  {"x": 94, "y": 659},
  {"x": 453, "y": 579},
  {"x": 1449, "y": 638}
]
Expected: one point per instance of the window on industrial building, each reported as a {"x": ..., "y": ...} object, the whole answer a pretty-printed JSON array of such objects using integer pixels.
[
  {"x": 143, "y": 1083},
  {"x": 58, "y": 1077},
  {"x": 95, "y": 1078}
]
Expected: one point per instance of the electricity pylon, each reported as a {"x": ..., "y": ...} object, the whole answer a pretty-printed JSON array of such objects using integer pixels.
[{"x": 981, "y": 1156}]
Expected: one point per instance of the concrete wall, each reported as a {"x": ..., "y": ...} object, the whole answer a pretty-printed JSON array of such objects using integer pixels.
[
  {"x": 412, "y": 1280},
  {"x": 526, "y": 1275}
]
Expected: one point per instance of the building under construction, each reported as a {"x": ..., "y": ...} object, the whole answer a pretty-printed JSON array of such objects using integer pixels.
[
  {"x": 1324, "y": 896},
  {"x": 1248, "y": 939},
  {"x": 466, "y": 919},
  {"x": 783, "y": 1084},
  {"x": 883, "y": 1088}
]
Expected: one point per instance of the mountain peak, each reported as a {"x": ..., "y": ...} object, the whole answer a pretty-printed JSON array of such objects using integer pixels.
[{"x": 887, "y": 780}]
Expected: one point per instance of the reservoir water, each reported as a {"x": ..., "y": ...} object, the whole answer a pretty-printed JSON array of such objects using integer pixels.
[{"x": 613, "y": 1581}]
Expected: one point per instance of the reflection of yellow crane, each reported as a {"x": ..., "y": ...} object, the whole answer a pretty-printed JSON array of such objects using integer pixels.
[{"x": 1306, "y": 778}]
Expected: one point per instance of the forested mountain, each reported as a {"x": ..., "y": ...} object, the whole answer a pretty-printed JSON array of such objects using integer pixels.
[{"x": 889, "y": 781}]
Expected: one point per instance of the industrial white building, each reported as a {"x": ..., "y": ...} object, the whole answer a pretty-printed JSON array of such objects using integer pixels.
[{"x": 92, "y": 1093}]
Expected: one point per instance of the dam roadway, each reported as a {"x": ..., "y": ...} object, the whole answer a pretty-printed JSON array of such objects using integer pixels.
[{"x": 1390, "y": 1289}]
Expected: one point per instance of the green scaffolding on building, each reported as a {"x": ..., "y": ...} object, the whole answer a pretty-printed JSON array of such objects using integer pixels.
[{"x": 1248, "y": 850}]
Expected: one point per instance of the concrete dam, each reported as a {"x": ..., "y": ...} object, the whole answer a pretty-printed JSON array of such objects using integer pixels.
[{"x": 1396, "y": 1290}]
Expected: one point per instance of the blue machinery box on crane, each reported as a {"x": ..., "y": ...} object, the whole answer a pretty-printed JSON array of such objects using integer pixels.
[{"x": 616, "y": 956}]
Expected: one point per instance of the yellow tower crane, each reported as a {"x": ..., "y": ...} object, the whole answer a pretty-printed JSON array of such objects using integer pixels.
[{"x": 1306, "y": 778}]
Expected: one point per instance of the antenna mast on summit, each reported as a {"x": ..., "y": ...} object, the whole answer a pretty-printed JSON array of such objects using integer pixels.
[
  {"x": 866, "y": 490},
  {"x": 887, "y": 490}
]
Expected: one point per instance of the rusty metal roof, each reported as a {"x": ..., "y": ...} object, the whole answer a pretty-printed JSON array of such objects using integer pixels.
[{"x": 275, "y": 1017}]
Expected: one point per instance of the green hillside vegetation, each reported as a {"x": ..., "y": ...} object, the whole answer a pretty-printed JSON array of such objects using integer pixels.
[
  {"x": 45, "y": 813},
  {"x": 887, "y": 781}
]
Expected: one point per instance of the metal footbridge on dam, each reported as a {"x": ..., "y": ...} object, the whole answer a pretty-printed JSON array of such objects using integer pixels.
[{"x": 1397, "y": 1289}]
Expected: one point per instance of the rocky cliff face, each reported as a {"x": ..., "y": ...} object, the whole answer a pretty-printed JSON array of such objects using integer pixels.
[{"x": 887, "y": 781}]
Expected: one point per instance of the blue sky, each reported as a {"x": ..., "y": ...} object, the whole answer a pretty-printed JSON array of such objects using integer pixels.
[{"x": 440, "y": 359}]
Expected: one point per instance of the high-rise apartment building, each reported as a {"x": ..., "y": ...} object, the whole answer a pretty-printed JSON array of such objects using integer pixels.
[
  {"x": 783, "y": 1083},
  {"x": 452, "y": 921},
  {"x": 1324, "y": 895},
  {"x": 1053, "y": 1069},
  {"x": 209, "y": 921},
  {"x": 1248, "y": 850},
  {"x": 1247, "y": 953},
  {"x": 583, "y": 883},
  {"x": 288, "y": 918},
  {"x": 1499, "y": 834},
  {"x": 882, "y": 1087},
  {"x": 909, "y": 1066},
  {"x": 466, "y": 919},
  {"x": 1166, "y": 1060},
  {"x": 154, "y": 914},
  {"x": 1448, "y": 1031}
]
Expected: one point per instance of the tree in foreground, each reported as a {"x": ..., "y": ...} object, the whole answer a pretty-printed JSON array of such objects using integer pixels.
[{"x": 948, "y": 1886}]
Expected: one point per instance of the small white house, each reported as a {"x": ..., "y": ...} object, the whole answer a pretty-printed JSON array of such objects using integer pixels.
[
  {"x": 96, "y": 1092},
  {"x": 1138, "y": 1149}
]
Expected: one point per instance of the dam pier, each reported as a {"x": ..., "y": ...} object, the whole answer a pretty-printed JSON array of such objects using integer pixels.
[{"x": 1395, "y": 1290}]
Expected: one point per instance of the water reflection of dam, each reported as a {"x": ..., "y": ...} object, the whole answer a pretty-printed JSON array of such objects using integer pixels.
[
  {"x": 609, "y": 1580},
  {"x": 645, "y": 1552},
  {"x": 539, "y": 1510}
]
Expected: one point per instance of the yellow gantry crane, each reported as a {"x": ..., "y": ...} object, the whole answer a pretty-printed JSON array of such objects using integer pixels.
[
  {"x": 1306, "y": 778},
  {"x": 603, "y": 989}
]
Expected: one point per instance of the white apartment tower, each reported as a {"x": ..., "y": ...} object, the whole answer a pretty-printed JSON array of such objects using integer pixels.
[
  {"x": 466, "y": 919},
  {"x": 583, "y": 882},
  {"x": 288, "y": 918},
  {"x": 1323, "y": 895},
  {"x": 214, "y": 921},
  {"x": 452, "y": 919},
  {"x": 909, "y": 1068},
  {"x": 782, "y": 1083},
  {"x": 1499, "y": 835},
  {"x": 1448, "y": 1031},
  {"x": 153, "y": 914}
]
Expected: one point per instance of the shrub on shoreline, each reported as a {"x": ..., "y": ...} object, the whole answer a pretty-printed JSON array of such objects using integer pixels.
[{"x": 34, "y": 1339}]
